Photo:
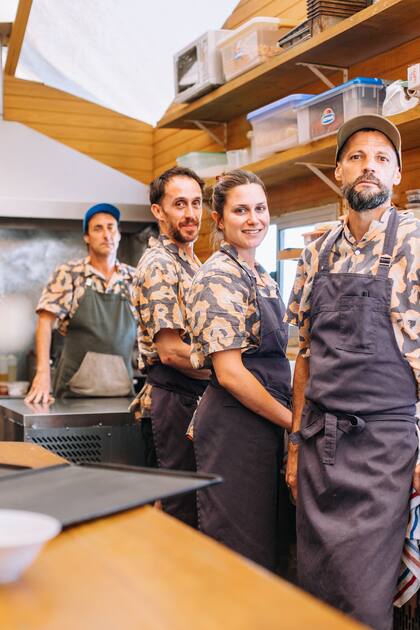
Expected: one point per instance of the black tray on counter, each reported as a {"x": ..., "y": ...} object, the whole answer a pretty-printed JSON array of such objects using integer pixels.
[{"x": 77, "y": 493}]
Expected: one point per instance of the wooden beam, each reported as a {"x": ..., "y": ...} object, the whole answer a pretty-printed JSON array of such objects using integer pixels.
[{"x": 16, "y": 38}]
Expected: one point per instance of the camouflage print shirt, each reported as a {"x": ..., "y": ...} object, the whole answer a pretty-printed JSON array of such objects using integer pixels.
[
  {"x": 223, "y": 311},
  {"x": 67, "y": 286},
  {"x": 348, "y": 256},
  {"x": 162, "y": 280}
]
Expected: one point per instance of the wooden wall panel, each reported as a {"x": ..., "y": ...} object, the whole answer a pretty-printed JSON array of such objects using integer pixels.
[
  {"x": 309, "y": 191},
  {"x": 170, "y": 143},
  {"x": 111, "y": 138},
  {"x": 247, "y": 9},
  {"x": 204, "y": 245}
]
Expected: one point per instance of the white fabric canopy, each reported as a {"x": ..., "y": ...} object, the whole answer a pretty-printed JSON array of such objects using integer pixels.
[{"x": 117, "y": 53}]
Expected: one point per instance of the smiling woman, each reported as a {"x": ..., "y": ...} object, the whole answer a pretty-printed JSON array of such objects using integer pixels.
[{"x": 235, "y": 315}]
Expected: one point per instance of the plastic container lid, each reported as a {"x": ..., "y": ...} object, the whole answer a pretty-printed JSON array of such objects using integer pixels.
[
  {"x": 269, "y": 21},
  {"x": 284, "y": 103},
  {"x": 364, "y": 81}
]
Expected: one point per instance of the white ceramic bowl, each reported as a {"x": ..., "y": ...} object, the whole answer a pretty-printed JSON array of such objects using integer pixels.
[
  {"x": 18, "y": 388},
  {"x": 22, "y": 535}
]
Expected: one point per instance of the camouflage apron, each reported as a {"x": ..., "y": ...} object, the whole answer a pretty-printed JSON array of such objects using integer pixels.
[
  {"x": 246, "y": 449},
  {"x": 100, "y": 340},
  {"x": 359, "y": 444}
]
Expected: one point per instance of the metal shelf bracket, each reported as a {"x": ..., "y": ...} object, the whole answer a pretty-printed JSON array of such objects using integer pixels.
[
  {"x": 316, "y": 170},
  {"x": 204, "y": 125},
  {"x": 315, "y": 68}
]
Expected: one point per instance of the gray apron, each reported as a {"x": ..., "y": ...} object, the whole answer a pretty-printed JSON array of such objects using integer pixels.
[
  {"x": 96, "y": 357},
  {"x": 359, "y": 444},
  {"x": 174, "y": 400},
  {"x": 244, "y": 512}
]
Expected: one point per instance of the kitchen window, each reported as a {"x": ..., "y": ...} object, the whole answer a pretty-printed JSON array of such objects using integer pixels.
[{"x": 290, "y": 229}]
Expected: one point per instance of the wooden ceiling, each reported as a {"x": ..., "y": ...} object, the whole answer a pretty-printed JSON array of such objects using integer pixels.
[{"x": 16, "y": 38}]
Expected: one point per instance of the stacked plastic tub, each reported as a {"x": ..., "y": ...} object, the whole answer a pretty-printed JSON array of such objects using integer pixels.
[
  {"x": 303, "y": 118},
  {"x": 275, "y": 126},
  {"x": 323, "y": 114},
  {"x": 251, "y": 44}
]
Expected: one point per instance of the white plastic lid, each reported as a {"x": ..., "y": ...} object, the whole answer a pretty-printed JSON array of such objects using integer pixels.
[{"x": 268, "y": 21}]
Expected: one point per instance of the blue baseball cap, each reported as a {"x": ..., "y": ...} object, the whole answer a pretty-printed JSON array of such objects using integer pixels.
[{"x": 100, "y": 207}]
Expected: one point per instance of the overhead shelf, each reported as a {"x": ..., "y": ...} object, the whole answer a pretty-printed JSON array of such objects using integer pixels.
[
  {"x": 284, "y": 166},
  {"x": 372, "y": 31}
]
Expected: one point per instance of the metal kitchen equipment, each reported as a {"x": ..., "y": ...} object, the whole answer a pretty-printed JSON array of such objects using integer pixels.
[
  {"x": 198, "y": 67},
  {"x": 80, "y": 430}
]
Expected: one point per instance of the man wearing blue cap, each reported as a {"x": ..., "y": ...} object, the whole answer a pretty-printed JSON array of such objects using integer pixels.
[{"x": 89, "y": 302}]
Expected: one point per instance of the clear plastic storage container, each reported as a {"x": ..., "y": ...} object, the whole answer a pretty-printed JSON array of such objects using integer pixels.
[
  {"x": 238, "y": 157},
  {"x": 204, "y": 163},
  {"x": 322, "y": 115},
  {"x": 251, "y": 44},
  {"x": 275, "y": 125}
]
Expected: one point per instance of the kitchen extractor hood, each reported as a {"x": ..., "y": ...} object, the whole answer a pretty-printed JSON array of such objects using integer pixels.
[{"x": 42, "y": 178}]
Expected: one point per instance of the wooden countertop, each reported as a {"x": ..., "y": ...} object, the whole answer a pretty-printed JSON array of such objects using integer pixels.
[
  {"x": 30, "y": 455},
  {"x": 142, "y": 569}
]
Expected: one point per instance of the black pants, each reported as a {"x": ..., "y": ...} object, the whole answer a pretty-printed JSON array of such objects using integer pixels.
[
  {"x": 150, "y": 458},
  {"x": 171, "y": 416}
]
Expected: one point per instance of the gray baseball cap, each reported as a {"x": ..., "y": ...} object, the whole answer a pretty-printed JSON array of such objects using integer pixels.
[{"x": 369, "y": 121}]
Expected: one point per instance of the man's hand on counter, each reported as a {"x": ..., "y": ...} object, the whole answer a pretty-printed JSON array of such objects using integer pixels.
[{"x": 39, "y": 392}]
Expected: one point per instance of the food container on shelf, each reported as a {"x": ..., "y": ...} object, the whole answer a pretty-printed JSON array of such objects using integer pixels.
[
  {"x": 17, "y": 388},
  {"x": 204, "y": 163},
  {"x": 322, "y": 115},
  {"x": 238, "y": 158},
  {"x": 251, "y": 44},
  {"x": 275, "y": 126}
]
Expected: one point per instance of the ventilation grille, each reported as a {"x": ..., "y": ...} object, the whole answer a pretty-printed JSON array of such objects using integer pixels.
[{"x": 75, "y": 448}]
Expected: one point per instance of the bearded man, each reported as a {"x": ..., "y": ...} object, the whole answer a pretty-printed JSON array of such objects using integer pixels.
[
  {"x": 162, "y": 280},
  {"x": 354, "y": 447}
]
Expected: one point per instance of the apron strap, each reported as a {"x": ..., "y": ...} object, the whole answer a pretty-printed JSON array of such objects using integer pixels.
[
  {"x": 248, "y": 273},
  {"x": 386, "y": 257},
  {"x": 389, "y": 243},
  {"x": 330, "y": 423},
  {"x": 346, "y": 423},
  {"x": 323, "y": 261}
]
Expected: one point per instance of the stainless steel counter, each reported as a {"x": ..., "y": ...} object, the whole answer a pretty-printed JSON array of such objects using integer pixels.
[
  {"x": 69, "y": 412},
  {"x": 79, "y": 429}
]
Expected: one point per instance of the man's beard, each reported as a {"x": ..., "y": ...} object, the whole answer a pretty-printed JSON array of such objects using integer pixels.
[
  {"x": 176, "y": 235},
  {"x": 364, "y": 200}
]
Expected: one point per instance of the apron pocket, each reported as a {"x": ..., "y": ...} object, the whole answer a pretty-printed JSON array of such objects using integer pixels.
[
  {"x": 101, "y": 375},
  {"x": 358, "y": 320}
]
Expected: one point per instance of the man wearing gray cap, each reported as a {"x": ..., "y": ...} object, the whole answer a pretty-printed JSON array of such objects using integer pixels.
[
  {"x": 356, "y": 383},
  {"x": 89, "y": 300}
]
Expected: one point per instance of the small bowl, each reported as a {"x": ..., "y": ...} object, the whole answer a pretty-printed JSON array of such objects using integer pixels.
[
  {"x": 22, "y": 536},
  {"x": 18, "y": 388}
]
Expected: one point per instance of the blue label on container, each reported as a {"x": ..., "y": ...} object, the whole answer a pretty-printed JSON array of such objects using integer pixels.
[
  {"x": 328, "y": 116},
  {"x": 238, "y": 53}
]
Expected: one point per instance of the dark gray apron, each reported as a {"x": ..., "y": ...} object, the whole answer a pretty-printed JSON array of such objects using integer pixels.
[
  {"x": 246, "y": 449},
  {"x": 174, "y": 400},
  {"x": 359, "y": 444},
  {"x": 104, "y": 324}
]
